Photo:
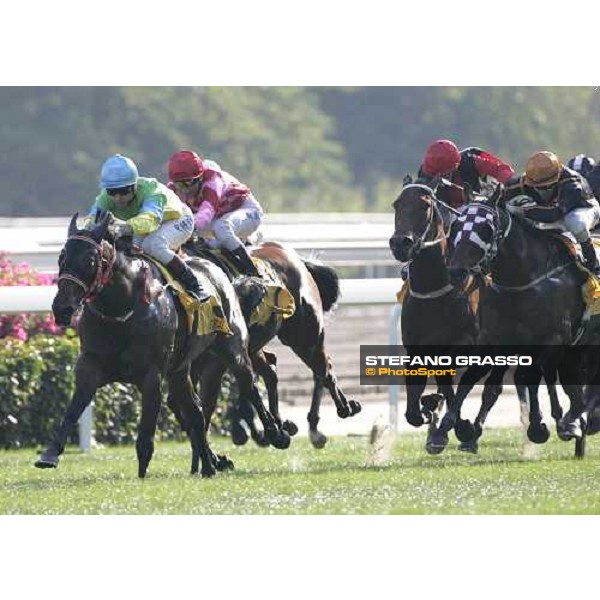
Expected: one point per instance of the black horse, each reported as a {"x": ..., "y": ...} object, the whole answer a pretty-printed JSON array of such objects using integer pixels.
[
  {"x": 315, "y": 289},
  {"x": 535, "y": 299},
  {"x": 435, "y": 312},
  {"x": 133, "y": 330}
]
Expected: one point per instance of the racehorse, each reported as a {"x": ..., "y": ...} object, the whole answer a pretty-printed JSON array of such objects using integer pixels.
[
  {"x": 434, "y": 311},
  {"x": 133, "y": 330},
  {"x": 535, "y": 298},
  {"x": 315, "y": 289}
]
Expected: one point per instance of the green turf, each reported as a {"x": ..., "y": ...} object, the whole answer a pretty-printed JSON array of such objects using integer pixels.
[{"x": 500, "y": 480}]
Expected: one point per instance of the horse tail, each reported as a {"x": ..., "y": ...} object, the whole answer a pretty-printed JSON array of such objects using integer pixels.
[{"x": 327, "y": 281}]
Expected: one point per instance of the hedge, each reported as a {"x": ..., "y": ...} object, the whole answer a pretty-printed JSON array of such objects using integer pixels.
[{"x": 36, "y": 385}]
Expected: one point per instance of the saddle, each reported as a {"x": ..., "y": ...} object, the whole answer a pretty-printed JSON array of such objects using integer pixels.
[
  {"x": 590, "y": 290},
  {"x": 202, "y": 318},
  {"x": 277, "y": 300}
]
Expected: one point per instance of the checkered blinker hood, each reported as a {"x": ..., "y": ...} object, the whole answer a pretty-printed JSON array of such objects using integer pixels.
[{"x": 477, "y": 223}]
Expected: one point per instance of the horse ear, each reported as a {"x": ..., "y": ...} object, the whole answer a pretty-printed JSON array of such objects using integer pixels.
[
  {"x": 434, "y": 183},
  {"x": 407, "y": 179},
  {"x": 73, "y": 225},
  {"x": 497, "y": 195},
  {"x": 468, "y": 192},
  {"x": 101, "y": 227}
]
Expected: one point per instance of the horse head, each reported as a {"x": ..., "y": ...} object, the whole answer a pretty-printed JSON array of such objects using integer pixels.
[
  {"x": 416, "y": 219},
  {"x": 81, "y": 267},
  {"x": 474, "y": 237}
]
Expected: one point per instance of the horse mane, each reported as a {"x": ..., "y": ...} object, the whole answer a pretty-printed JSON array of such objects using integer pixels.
[{"x": 561, "y": 246}]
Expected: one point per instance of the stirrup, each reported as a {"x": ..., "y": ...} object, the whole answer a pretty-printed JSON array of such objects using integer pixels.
[{"x": 199, "y": 295}]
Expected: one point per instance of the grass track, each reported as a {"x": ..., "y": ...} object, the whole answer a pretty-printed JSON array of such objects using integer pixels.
[{"x": 305, "y": 481}]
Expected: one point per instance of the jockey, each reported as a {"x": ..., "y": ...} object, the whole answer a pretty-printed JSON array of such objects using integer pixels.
[
  {"x": 471, "y": 165},
  {"x": 149, "y": 212},
  {"x": 593, "y": 178},
  {"x": 582, "y": 164},
  {"x": 560, "y": 194},
  {"x": 222, "y": 206}
]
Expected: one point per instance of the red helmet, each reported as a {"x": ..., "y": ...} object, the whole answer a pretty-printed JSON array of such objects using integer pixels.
[
  {"x": 185, "y": 164},
  {"x": 441, "y": 157}
]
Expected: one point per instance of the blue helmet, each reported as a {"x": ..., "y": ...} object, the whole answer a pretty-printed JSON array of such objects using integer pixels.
[{"x": 118, "y": 171}]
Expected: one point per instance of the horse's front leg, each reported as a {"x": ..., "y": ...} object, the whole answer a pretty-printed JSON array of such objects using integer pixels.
[
  {"x": 317, "y": 438},
  {"x": 182, "y": 388},
  {"x": 88, "y": 379},
  {"x": 536, "y": 429},
  {"x": 438, "y": 440},
  {"x": 151, "y": 398},
  {"x": 415, "y": 385},
  {"x": 464, "y": 429}
]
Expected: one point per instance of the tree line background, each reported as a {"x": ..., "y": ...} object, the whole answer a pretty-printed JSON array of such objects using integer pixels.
[{"x": 300, "y": 149}]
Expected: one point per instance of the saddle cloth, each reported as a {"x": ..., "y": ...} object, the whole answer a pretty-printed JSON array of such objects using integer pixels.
[
  {"x": 590, "y": 290},
  {"x": 277, "y": 300},
  {"x": 208, "y": 316}
]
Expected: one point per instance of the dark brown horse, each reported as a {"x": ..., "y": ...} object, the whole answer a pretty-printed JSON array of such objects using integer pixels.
[
  {"x": 315, "y": 289},
  {"x": 434, "y": 312},
  {"x": 535, "y": 298},
  {"x": 133, "y": 330}
]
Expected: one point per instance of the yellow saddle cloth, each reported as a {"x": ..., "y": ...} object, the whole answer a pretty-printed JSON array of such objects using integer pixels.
[
  {"x": 209, "y": 316},
  {"x": 591, "y": 293},
  {"x": 278, "y": 300}
]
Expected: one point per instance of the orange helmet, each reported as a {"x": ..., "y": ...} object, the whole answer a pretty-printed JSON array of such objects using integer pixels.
[{"x": 542, "y": 169}]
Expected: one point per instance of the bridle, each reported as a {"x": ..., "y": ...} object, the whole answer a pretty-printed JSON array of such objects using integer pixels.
[
  {"x": 422, "y": 243},
  {"x": 107, "y": 256}
]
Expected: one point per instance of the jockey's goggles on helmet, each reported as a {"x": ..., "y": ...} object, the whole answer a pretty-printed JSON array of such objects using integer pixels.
[
  {"x": 121, "y": 191},
  {"x": 187, "y": 183}
]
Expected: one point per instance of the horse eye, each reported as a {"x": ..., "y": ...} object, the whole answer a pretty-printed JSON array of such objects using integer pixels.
[{"x": 61, "y": 257}]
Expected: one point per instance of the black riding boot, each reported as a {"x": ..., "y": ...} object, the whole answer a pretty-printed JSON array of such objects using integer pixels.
[
  {"x": 186, "y": 277},
  {"x": 244, "y": 262},
  {"x": 589, "y": 256}
]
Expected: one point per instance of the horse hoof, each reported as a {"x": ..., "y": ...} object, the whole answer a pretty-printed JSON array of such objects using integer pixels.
[
  {"x": 317, "y": 439},
  {"x": 343, "y": 412},
  {"x": 355, "y": 407},
  {"x": 290, "y": 427},
  {"x": 431, "y": 403},
  {"x": 471, "y": 447},
  {"x": 239, "y": 436},
  {"x": 436, "y": 442},
  {"x": 260, "y": 439},
  {"x": 465, "y": 430},
  {"x": 47, "y": 461},
  {"x": 538, "y": 435},
  {"x": 416, "y": 420},
  {"x": 224, "y": 463},
  {"x": 142, "y": 472},
  {"x": 281, "y": 441},
  {"x": 569, "y": 430},
  {"x": 593, "y": 425},
  {"x": 208, "y": 471}
]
